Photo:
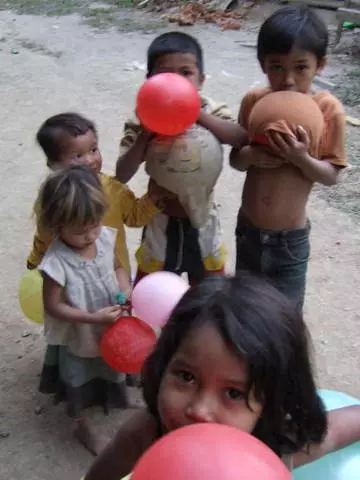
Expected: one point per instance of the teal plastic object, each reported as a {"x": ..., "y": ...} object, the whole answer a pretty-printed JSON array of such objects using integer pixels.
[
  {"x": 341, "y": 465},
  {"x": 120, "y": 298}
]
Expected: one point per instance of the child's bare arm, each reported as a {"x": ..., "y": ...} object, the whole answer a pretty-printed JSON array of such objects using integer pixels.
[
  {"x": 226, "y": 131},
  {"x": 343, "y": 430},
  {"x": 321, "y": 171},
  {"x": 119, "y": 457},
  {"x": 249, "y": 156},
  {"x": 240, "y": 158},
  {"x": 123, "y": 279},
  {"x": 54, "y": 305},
  {"x": 296, "y": 151},
  {"x": 128, "y": 163}
]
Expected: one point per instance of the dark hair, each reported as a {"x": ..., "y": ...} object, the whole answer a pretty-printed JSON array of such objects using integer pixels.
[
  {"x": 50, "y": 135},
  {"x": 174, "y": 42},
  {"x": 292, "y": 26},
  {"x": 261, "y": 326},
  {"x": 70, "y": 196}
]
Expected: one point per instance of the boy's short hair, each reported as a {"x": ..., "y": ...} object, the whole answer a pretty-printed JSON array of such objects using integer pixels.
[
  {"x": 174, "y": 42},
  {"x": 52, "y": 132},
  {"x": 292, "y": 26}
]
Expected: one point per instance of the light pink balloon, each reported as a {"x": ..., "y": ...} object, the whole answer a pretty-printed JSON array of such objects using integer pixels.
[{"x": 156, "y": 295}]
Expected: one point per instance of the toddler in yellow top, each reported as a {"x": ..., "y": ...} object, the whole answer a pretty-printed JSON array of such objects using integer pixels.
[{"x": 69, "y": 138}]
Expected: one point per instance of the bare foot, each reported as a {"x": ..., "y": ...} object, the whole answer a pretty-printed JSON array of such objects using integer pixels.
[{"x": 91, "y": 440}]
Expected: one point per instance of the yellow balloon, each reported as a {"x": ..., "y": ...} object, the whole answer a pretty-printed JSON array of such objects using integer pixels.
[{"x": 31, "y": 296}]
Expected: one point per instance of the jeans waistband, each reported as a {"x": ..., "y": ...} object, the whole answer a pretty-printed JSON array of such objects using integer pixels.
[{"x": 270, "y": 236}]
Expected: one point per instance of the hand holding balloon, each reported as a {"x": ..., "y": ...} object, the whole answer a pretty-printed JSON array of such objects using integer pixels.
[
  {"x": 126, "y": 344},
  {"x": 107, "y": 315}
]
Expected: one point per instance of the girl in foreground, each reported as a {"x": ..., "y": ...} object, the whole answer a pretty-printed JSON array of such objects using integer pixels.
[{"x": 234, "y": 352}]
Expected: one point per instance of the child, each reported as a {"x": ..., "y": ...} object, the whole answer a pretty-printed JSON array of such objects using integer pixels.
[
  {"x": 81, "y": 279},
  {"x": 69, "y": 138},
  {"x": 272, "y": 233},
  {"x": 170, "y": 241},
  {"x": 235, "y": 352}
]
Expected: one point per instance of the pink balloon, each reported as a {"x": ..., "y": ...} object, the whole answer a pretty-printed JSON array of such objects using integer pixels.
[{"x": 156, "y": 295}]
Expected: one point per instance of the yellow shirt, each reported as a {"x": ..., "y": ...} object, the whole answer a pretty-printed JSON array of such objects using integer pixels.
[{"x": 124, "y": 208}]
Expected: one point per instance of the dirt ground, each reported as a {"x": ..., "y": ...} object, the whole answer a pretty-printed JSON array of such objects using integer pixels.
[{"x": 53, "y": 64}]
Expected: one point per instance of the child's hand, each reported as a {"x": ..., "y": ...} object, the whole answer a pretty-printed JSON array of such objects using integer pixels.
[
  {"x": 159, "y": 194},
  {"x": 262, "y": 158},
  {"x": 147, "y": 133},
  {"x": 123, "y": 299},
  {"x": 107, "y": 315},
  {"x": 293, "y": 150}
]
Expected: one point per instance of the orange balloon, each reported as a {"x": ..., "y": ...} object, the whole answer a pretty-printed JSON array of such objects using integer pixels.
[
  {"x": 283, "y": 112},
  {"x": 168, "y": 104}
]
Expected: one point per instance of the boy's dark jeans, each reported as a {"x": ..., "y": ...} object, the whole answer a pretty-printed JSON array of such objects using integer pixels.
[{"x": 282, "y": 255}]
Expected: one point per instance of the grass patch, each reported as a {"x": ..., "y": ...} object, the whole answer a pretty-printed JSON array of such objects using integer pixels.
[
  {"x": 346, "y": 194},
  {"x": 348, "y": 89},
  {"x": 36, "y": 47},
  {"x": 57, "y": 7},
  {"x": 99, "y": 15},
  {"x": 103, "y": 17}
]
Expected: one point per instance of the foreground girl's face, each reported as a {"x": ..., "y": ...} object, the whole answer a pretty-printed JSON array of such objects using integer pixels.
[{"x": 205, "y": 382}]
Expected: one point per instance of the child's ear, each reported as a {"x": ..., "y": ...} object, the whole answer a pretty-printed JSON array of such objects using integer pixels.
[
  {"x": 202, "y": 80},
  {"x": 321, "y": 64}
]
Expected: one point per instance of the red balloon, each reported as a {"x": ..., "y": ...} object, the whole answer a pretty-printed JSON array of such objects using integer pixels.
[
  {"x": 126, "y": 344},
  {"x": 168, "y": 104},
  {"x": 209, "y": 451}
]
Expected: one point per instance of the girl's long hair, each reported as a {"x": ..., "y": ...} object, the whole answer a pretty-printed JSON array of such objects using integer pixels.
[{"x": 261, "y": 326}]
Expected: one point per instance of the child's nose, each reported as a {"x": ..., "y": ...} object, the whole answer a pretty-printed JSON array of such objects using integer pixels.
[
  {"x": 200, "y": 409},
  {"x": 91, "y": 237},
  {"x": 289, "y": 80}
]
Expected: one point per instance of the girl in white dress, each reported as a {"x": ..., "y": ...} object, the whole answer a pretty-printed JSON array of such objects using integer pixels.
[{"x": 82, "y": 282}]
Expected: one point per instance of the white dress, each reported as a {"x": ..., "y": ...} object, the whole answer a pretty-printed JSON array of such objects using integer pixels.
[{"x": 73, "y": 368}]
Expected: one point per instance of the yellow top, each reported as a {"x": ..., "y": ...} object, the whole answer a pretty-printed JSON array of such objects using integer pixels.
[{"x": 124, "y": 208}]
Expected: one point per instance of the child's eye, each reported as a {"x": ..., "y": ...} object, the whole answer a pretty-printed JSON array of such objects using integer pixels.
[
  {"x": 186, "y": 73},
  {"x": 234, "y": 394},
  {"x": 184, "y": 376},
  {"x": 95, "y": 149},
  {"x": 275, "y": 68},
  {"x": 301, "y": 67}
]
